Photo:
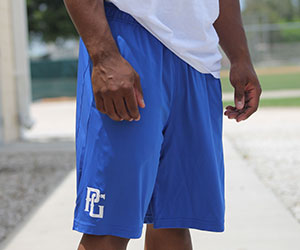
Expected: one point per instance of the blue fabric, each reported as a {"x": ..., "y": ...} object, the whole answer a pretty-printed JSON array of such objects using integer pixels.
[{"x": 165, "y": 169}]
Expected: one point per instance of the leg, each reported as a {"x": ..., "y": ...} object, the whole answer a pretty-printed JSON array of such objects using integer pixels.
[
  {"x": 167, "y": 238},
  {"x": 102, "y": 242}
]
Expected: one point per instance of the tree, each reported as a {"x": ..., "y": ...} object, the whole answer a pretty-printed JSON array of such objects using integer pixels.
[
  {"x": 49, "y": 20},
  {"x": 271, "y": 11}
]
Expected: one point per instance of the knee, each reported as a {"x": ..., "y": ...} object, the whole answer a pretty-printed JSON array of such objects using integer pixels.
[
  {"x": 167, "y": 238},
  {"x": 168, "y": 233},
  {"x": 101, "y": 242}
]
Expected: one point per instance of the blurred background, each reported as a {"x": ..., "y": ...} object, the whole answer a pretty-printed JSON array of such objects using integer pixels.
[{"x": 38, "y": 63}]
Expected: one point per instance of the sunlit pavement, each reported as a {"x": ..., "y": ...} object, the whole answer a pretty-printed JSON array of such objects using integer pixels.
[
  {"x": 270, "y": 94},
  {"x": 256, "y": 219}
]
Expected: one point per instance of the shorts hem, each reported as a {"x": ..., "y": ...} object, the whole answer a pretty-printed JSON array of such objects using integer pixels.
[
  {"x": 212, "y": 226},
  {"x": 107, "y": 230}
]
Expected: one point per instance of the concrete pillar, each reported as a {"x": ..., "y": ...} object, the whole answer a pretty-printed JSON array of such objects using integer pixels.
[
  {"x": 15, "y": 90},
  {"x": 10, "y": 127},
  {"x": 22, "y": 69}
]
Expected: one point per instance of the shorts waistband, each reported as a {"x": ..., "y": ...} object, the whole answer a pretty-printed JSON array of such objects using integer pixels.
[{"x": 112, "y": 12}]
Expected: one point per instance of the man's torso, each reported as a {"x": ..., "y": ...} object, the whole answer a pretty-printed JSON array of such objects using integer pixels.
[{"x": 185, "y": 27}]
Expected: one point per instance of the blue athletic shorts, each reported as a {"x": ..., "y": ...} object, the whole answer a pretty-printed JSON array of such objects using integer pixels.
[{"x": 167, "y": 168}]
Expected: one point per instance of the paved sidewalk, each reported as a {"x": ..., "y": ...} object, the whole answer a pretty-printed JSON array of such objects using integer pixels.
[
  {"x": 255, "y": 218},
  {"x": 268, "y": 94}
]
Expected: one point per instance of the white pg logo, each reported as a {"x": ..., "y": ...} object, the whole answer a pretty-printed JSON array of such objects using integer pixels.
[{"x": 93, "y": 196}]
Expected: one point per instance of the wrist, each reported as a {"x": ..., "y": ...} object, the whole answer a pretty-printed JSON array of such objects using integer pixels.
[
  {"x": 102, "y": 55},
  {"x": 243, "y": 65},
  {"x": 101, "y": 48},
  {"x": 240, "y": 61},
  {"x": 241, "y": 56}
]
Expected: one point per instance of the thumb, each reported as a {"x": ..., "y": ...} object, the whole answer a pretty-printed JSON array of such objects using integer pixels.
[
  {"x": 139, "y": 92},
  {"x": 239, "y": 96}
]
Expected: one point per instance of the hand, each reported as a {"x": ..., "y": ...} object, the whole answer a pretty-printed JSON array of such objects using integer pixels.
[
  {"x": 247, "y": 91},
  {"x": 117, "y": 89}
]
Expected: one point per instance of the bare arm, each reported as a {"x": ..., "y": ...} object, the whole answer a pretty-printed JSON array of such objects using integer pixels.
[
  {"x": 242, "y": 74},
  {"x": 116, "y": 85}
]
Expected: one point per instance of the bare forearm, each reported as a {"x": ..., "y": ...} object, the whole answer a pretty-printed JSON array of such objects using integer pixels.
[
  {"x": 116, "y": 85},
  {"x": 242, "y": 75},
  {"x": 231, "y": 32},
  {"x": 90, "y": 21}
]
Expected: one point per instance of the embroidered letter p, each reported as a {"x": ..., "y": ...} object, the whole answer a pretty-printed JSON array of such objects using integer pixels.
[{"x": 93, "y": 196}]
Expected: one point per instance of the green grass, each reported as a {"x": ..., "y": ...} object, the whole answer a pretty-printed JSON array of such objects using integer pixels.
[
  {"x": 42, "y": 88},
  {"x": 270, "y": 82},
  {"x": 279, "y": 102}
]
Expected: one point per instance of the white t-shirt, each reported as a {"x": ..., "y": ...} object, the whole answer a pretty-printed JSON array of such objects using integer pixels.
[{"x": 183, "y": 26}]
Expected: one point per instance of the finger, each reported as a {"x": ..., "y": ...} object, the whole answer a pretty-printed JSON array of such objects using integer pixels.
[
  {"x": 239, "y": 96},
  {"x": 121, "y": 109},
  {"x": 232, "y": 115},
  {"x": 119, "y": 117},
  {"x": 228, "y": 112},
  {"x": 234, "y": 110},
  {"x": 230, "y": 107},
  {"x": 229, "y": 115},
  {"x": 139, "y": 92},
  {"x": 252, "y": 105},
  {"x": 245, "y": 115},
  {"x": 132, "y": 106},
  {"x": 100, "y": 104},
  {"x": 110, "y": 109}
]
